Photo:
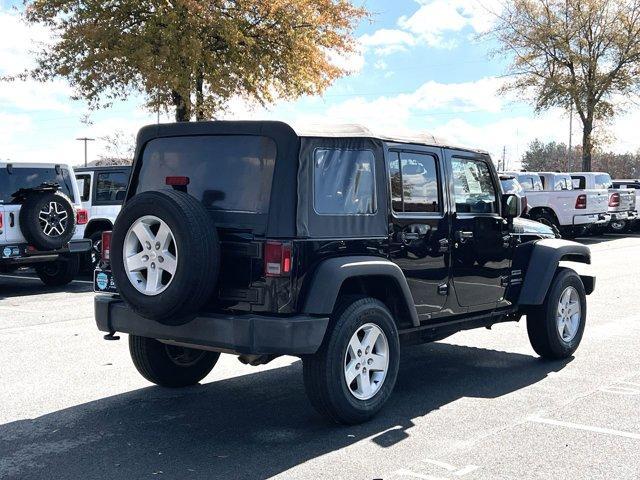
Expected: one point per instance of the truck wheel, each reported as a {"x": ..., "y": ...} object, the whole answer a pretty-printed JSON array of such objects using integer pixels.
[
  {"x": 60, "y": 272},
  {"x": 556, "y": 327},
  {"x": 618, "y": 226},
  {"x": 547, "y": 219},
  {"x": 165, "y": 255},
  {"x": 353, "y": 374},
  {"x": 47, "y": 220},
  {"x": 170, "y": 365}
]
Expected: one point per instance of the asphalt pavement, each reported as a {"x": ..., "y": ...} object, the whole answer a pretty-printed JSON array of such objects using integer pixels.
[{"x": 478, "y": 405}]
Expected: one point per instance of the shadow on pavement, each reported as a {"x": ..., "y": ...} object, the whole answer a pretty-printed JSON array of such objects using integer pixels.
[
  {"x": 22, "y": 285},
  {"x": 248, "y": 427}
]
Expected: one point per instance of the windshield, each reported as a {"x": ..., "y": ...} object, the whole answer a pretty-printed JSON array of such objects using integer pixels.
[
  {"x": 30, "y": 177},
  {"x": 225, "y": 172}
]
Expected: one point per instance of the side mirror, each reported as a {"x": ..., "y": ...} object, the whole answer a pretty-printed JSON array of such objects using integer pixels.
[{"x": 511, "y": 206}]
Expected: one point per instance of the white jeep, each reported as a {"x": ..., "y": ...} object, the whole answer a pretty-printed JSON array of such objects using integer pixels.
[
  {"x": 41, "y": 221},
  {"x": 102, "y": 191}
]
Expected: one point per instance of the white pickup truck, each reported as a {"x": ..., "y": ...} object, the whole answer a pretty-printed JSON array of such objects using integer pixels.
[
  {"x": 622, "y": 201},
  {"x": 41, "y": 221},
  {"x": 553, "y": 201}
]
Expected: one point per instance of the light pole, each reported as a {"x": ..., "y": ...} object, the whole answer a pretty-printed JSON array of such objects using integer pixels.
[{"x": 85, "y": 140}]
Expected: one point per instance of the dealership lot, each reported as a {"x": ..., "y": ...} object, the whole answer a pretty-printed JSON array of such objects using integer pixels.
[{"x": 478, "y": 405}]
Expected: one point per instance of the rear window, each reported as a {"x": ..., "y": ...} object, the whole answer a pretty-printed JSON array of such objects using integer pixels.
[
  {"x": 603, "y": 181},
  {"x": 30, "y": 177},
  {"x": 226, "y": 172}
]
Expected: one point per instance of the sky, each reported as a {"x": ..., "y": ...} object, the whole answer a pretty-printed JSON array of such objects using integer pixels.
[{"x": 420, "y": 65}]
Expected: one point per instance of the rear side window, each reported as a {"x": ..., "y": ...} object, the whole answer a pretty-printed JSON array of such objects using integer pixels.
[
  {"x": 414, "y": 182},
  {"x": 111, "y": 187},
  {"x": 579, "y": 182},
  {"x": 30, "y": 177},
  {"x": 84, "y": 187},
  {"x": 473, "y": 187},
  {"x": 343, "y": 182},
  {"x": 226, "y": 172}
]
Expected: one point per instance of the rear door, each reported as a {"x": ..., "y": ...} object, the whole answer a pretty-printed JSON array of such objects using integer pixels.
[
  {"x": 482, "y": 250},
  {"x": 419, "y": 240}
]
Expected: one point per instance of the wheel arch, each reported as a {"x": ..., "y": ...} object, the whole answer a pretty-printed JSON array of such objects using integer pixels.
[
  {"x": 97, "y": 225},
  {"x": 545, "y": 209},
  {"x": 543, "y": 264},
  {"x": 372, "y": 276}
]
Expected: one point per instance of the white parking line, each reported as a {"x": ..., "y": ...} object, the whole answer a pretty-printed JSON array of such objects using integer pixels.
[
  {"x": 19, "y": 277},
  {"x": 589, "y": 428}
]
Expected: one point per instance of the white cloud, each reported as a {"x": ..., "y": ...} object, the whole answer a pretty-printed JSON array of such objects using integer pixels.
[
  {"x": 435, "y": 19},
  {"x": 387, "y": 42}
]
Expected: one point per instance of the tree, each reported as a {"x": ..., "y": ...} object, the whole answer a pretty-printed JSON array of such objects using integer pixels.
[
  {"x": 552, "y": 156},
  {"x": 545, "y": 157},
  {"x": 573, "y": 53},
  {"x": 119, "y": 149},
  {"x": 193, "y": 55}
]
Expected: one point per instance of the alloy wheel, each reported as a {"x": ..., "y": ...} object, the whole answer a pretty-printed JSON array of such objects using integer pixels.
[{"x": 366, "y": 361}]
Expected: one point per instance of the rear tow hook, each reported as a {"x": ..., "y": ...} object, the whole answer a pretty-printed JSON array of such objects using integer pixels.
[{"x": 111, "y": 336}]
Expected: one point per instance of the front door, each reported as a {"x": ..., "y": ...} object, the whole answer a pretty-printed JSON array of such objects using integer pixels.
[
  {"x": 481, "y": 254},
  {"x": 419, "y": 226}
]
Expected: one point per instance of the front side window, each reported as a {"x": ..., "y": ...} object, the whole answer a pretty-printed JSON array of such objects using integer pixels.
[
  {"x": 111, "y": 186},
  {"x": 414, "y": 182},
  {"x": 344, "y": 182},
  {"x": 527, "y": 183},
  {"x": 473, "y": 187}
]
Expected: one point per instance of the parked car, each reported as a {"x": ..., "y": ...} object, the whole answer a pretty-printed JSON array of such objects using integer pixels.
[
  {"x": 631, "y": 185},
  {"x": 41, "y": 221},
  {"x": 553, "y": 201},
  {"x": 260, "y": 240},
  {"x": 102, "y": 191},
  {"x": 622, "y": 202}
]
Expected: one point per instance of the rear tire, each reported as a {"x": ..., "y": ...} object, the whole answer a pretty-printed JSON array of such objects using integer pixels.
[
  {"x": 47, "y": 220},
  {"x": 59, "y": 273},
  {"x": 169, "y": 365},
  {"x": 545, "y": 323},
  {"x": 325, "y": 373},
  {"x": 195, "y": 262},
  {"x": 618, "y": 226}
]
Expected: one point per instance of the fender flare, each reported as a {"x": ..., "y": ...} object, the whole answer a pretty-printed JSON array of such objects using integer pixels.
[
  {"x": 324, "y": 286},
  {"x": 544, "y": 263}
]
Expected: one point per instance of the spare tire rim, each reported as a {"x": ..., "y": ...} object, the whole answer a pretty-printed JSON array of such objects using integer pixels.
[
  {"x": 366, "y": 361},
  {"x": 53, "y": 219},
  {"x": 569, "y": 314},
  {"x": 150, "y": 255}
]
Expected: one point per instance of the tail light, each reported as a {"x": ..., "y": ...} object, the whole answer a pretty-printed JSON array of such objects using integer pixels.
[
  {"x": 82, "y": 217},
  {"x": 525, "y": 205},
  {"x": 581, "y": 202},
  {"x": 1, "y": 220},
  {"x": 105, "y": 246},
  {"x": 177, "y": 181},
  {"x": 614, "y": 200},
  {"x": 277, "y": 259}
]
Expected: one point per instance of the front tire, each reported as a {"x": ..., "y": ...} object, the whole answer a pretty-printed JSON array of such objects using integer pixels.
[
  {"x": 556, "y": 327},
  {"x": 169, "y": 365},
  {"x": 353, "y": 374},
  {"x": 59, "y": 273}
]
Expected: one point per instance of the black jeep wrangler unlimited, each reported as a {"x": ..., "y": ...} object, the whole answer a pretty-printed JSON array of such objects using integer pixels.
[{"x": 338, "y": 246}]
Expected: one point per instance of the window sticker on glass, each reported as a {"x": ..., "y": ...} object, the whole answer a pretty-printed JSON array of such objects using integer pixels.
[{"x": 473, "y": 178}]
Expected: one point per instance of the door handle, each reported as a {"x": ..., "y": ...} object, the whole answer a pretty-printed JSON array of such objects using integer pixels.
[{"x": 462, "y": 237}]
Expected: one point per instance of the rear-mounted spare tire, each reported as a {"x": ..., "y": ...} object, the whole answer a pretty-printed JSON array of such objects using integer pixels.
[
  {"x": 47, "y": 220},
  {"x": 165, "y": 255}
]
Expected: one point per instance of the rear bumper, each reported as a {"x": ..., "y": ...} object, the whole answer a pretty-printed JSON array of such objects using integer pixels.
[
  {"x": 21, "y": 255},
  {"x": 592, "y": 219},
  {"x": 629, "y": 215},
  {"x": 242, "y": 334}
]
